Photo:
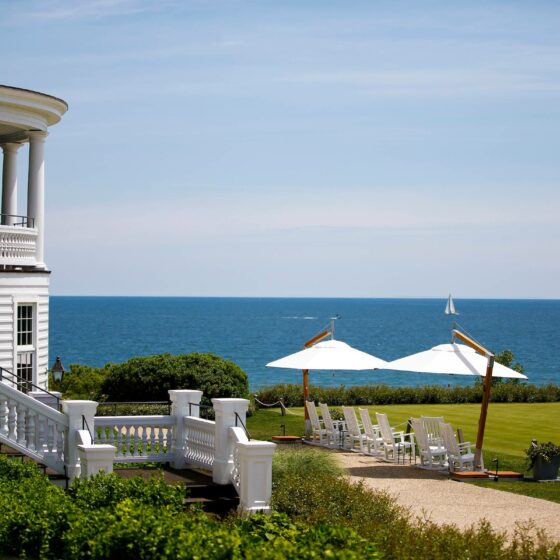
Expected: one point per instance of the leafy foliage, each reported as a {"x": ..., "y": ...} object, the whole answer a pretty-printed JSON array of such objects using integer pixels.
[
  {"x": 110, "y": 518},
  {"x": 544, "y": 451},
  {"x": 292, "y": 394},
  {"x": 327, "y": 496},
  {"x": 150, "y": 378}
]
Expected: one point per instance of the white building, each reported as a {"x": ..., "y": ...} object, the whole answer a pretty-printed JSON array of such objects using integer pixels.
[{"x": 24, "y": 277}]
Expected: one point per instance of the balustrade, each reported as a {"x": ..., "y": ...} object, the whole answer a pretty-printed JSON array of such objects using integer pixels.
[
  {"x": 200, "y": 436},
  {"x": 137, "y": 438},
  {"x": 30, "y": 426},
  {"x": 18, "y": 245}
]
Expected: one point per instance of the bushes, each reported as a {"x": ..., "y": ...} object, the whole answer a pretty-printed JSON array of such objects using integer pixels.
[
  {"x": 319, "y": 494},
  {"x": 34, "y": 514},
  {"x": 111, "y": 518},
  {"x": 292, "y": 395},
  {"x": 150, "y": 378}
]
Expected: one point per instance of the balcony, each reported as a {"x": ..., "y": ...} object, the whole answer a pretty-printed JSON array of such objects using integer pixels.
[{"x": 18, "y": 242}]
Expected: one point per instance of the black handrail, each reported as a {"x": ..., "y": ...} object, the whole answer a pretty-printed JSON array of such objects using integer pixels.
[
  {"x": 191, "y": 404},
  {"x": 238, "y": 418},
  {"x": 85, "y": 425},
  {"x": 20, "y": 381},
  {"x": 21, "y": 221}
]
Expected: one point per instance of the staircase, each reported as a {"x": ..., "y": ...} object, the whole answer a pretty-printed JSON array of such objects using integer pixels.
[
  {"x": 30, "y": 427},
  {"x": 56, "y": 478},
  {"x": 215, "y": 499}
]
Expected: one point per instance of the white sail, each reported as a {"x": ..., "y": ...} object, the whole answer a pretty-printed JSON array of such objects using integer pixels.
[{"x": 450, "y": 307}]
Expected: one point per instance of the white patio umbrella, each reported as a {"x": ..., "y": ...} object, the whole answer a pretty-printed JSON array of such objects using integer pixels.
[
  {"x": 458, "y": 359},
  {"x": 329, "y": 355},
  {"x": 451, "y": 359}
]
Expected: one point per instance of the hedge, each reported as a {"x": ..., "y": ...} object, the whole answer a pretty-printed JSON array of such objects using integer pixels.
[{"x": 292, "y": 394}]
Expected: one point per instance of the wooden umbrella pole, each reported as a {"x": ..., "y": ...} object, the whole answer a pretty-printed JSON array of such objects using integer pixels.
[
  {"x": 305, "y": 376},
  {"x": 483, "y": 412},
  {"x": 485, "y": 393},
  {"x": 305, "y": 392}
]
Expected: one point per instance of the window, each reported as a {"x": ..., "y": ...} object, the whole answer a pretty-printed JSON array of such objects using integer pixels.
[
  {"x": 25, "y": 325},
  {"x": 25, "y": 371},
  {"x": 25, "y": 349}
]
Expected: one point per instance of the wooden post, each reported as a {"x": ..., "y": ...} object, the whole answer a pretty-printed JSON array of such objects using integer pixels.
[
  {"x": 485, "y": 393},
  {"x": 487, "y": 386},
  {"x": 305, "y": 373},
  {"x": 305, "y": 376}
]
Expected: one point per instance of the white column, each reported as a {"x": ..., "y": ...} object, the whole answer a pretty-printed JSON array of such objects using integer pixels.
[
  {"x": 9, "y": 182},
  {"x": 76, "y": 411},
  {"x": 36, "y": 191},
  {"x": 255, "y": 475},
  {"x": 226, "y": 410},
  {"x": 181, "y": 401}
]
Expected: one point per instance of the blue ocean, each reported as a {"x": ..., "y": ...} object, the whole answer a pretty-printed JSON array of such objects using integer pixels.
[{"x": 254, "y": 331}]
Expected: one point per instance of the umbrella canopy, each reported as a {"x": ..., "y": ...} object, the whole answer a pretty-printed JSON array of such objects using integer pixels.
[
  {"x": 453, "y": 359},
  {"x": 329, "y": 355}
]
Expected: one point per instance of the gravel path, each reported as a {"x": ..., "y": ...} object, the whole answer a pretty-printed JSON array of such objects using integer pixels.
[{"x": 432, "y": 495}]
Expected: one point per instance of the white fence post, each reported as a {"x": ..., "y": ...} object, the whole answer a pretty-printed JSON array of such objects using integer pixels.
[
  {"x": 226, "y": 410},
  {"x": 76, "y": 411},
  {"x": 181, "y": 401},
  {"x": 94, "y": 458},
  {"x": 255, "y": 475}
]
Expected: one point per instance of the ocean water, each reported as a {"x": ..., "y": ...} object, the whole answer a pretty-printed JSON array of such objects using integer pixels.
[{"x": 255, "y": 331}]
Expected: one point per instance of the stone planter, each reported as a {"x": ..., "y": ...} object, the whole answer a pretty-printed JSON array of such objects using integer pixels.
[{"x": 546, "y": 471}]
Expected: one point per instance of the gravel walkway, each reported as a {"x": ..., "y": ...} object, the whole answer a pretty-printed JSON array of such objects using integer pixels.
[{"x": 432, "y": 495}]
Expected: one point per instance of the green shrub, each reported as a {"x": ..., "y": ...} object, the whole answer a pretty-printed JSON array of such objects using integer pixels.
[
  {"x": 317, "y": 495},
  {"x": 107, "y": 491},
  {"x": 34, "y": 514},
  {"x": 150, "y": 378},
  {"x": 292, "y": 395}
]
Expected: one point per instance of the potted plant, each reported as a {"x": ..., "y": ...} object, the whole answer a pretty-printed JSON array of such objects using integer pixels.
[{"x": 544, "y": 459}]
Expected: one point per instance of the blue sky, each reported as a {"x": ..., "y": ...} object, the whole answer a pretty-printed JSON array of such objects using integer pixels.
[{"x": 297, "y": 148}]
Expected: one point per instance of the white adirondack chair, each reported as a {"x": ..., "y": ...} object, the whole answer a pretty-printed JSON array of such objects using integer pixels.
[
  {"x": 457, "y": 453},
  {"x": 317, "y": 431},
  {"x": 353, "y": 434},
  {"x": 393, "y": 442},
  {"x": 433, "y": 455},
  {"x": 333, "y": 433},
  {"x": 374, "y": 441},
  {"x": 432, "y": 428}
]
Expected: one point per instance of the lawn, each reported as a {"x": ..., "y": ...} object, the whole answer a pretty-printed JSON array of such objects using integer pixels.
[
  {"x": 509, "y": 430},
  {"x": 509, "y": 427}
]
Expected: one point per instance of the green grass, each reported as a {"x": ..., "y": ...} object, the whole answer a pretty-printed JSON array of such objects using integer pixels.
[
  {"x": 509, "y": 431},
  {"x": 509, "y": 427}
]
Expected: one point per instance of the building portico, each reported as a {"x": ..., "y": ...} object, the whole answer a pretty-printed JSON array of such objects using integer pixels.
[{"x": 25, "y": 117}]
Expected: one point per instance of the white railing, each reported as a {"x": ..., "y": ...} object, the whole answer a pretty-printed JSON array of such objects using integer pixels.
[
  {"x": 32, "y": 427},
  {"x": 136, "y": 438},
  {"x": 236, "y": 435},
  {"x": 200, "y": 442},
  {"x": 18, "y": 245}
]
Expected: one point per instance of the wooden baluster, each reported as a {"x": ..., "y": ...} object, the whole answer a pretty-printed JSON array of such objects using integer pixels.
[
  {"x": 40, "y": 434},
  {"x": 119, "y": 441},
  {"x": 20, "y": 424},
  {"x": 50, "y": 436},
  {"x": 160, "y": 441},
  {"x": 145, "y": 440},
  {"x": 30, "y": 430},
  {"x": 60, "y": 435},
  {"x": 3, "y": 416}
]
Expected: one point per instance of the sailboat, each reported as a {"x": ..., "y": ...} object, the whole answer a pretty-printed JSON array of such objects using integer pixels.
[{"x": 450, "y": 307}]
